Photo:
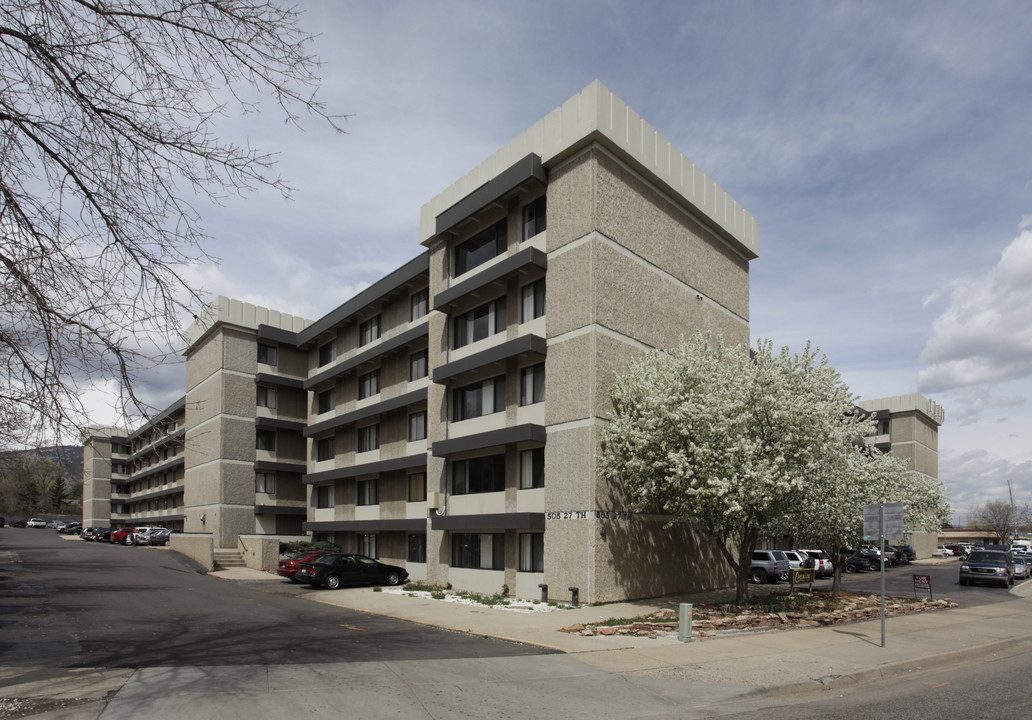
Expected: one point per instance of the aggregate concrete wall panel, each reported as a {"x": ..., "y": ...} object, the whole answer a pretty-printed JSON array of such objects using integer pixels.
[
  {"x": 570, "y": 200},
  {"x": 570, "y": 379},
  {"x": 569, "y": 469}
]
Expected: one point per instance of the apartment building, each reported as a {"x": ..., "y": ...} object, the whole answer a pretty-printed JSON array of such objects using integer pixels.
[
  {"x": 448, "y": 417},
  {"x": 908, "y": 427},
  {"x": 136, "y": 477}
]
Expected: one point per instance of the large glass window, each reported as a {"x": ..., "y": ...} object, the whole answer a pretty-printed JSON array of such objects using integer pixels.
[
  {"x": 417, "y": 426},
  {"x": 532, "y": 384},
  {"x": 265, "y": 440},
  {"x": 532, "y": 468},
  {"x": 265, "y": 483},
  {"x": 326, "y": 354},
  {"x": 324, "y": 496},
  {"x": 324, "y": 449},
  {"x": 417, "y": 487},
  {"x": 479, "y": 323},
  {"x": 366, "y": 492},
  {"x": 534, "y": 218},
  {"x": 532, "y": 552},
  {"x": 326, "y": 401},
  {"x": 480, "y": 248},
  {"x": 532, "y": 300},
  {"x": 416, "y": 548},
  {"x": 367, "y": 545},
  {"x": 368, "y": 438},
  {"x": 478, "y": 475},
  {"x": 479, "y": 551},
  {"x": 266, "y": 397},
  {"x": 418, "y": 365},
  {"x": 369, "y": 331},
  {"x": 480, "y": 398},
  {"x": 419, "y": 303},
  {"x": 267, "y": 354},
  {"x": 369, "y": 384}
]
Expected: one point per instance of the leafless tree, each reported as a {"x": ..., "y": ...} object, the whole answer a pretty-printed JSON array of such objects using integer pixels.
[
  {"x": 1002, "y": 518},
  {"x": 106, "y": 140}
]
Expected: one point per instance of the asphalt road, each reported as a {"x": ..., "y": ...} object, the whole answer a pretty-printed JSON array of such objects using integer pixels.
[
  {"x": 944, "y": 577},
  {"x": 69, "y": 603}
]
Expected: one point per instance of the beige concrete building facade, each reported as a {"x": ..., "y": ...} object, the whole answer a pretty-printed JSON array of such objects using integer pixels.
[
  {"x": 908, "y": 427},
  {"x": 448, "y": 417}
]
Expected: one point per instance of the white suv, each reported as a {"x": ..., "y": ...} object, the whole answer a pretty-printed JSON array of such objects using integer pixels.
[{"x": 821, "y": 562}]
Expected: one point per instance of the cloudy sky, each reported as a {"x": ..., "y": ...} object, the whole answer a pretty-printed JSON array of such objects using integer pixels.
[{"x": 884, "y": 148}]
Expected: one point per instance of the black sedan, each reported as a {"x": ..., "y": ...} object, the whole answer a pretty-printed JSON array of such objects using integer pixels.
[{"x": 338, "y": 569}]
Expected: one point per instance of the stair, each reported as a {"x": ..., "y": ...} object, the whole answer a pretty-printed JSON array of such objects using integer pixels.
[{"x": 226, "y": 558}]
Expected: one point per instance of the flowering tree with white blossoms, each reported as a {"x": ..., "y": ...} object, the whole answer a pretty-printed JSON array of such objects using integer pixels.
[
  {"x": 731, "y": 441},
  {"x": 832, "y": 516}
]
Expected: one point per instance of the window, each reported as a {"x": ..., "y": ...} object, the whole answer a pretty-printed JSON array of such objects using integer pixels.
[
  {"x": 479, "y": 475},
  {"x": 481, "y": 398},
  {"x": 480, "y": 248},
  {"x": 265, "y": 440},
  {"x": 366, "y": 492},
  {"x": 417, "y": 426},
  {"x": 367, "y": 545},
  {"x": 418, "y": 365},
  {"x": 324, "y": 449},
  {"x": 532, "y": 468},
  {"x": 416, "y": 549},
  {"x": 532, "y": 552},
  {"x": 534, "y": 218},
  {"x": 326, "y": 400},
  {"x": 326, "y": 354},
  {"x": 265, "y": 483},
  {"x": 532, "y": 300},
  {"x": 470, "y": 550},
  {"x": 419, "y": 302},
  {"x": 368, "y": 384},
  {"x": 324, "y": 496},
  {"x": 368, "y": 438},
  {"x": 267, "y": 354},
  {"x": 266, "y": 397},
  {"x": 479, "y": 323},
  {"x": 417, "y": 487},
  {"x": 532, "y": 384},
  {"x": 369, "y": 331},
  {"x": 883, "y": 427}
]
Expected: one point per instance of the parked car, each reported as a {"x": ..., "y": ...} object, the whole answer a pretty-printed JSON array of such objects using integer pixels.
[
  {"x": 905, "y": 554},
  {"x": 1022, "y": 570},
  {"x": 852, "y": 563},
  {"x": 821, "y": 562},
  {"x": 124, "y": 535},
  {"x": 943, "y": 551},
  {"x": 992, "y": 566},
  {"x": 36, "y": 523},
  {"x": 94, "y": 534},
  {"x": 767, "y": 566},
  {"x": 288, "y": 567},
  {"x": 335, "y": 570},
  {"x": 152, "y": 536},
  {"x": 73, "y": 528}
]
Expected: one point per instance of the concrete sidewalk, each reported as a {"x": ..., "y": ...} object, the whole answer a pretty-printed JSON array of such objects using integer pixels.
[{"x": 614, "y": 676}]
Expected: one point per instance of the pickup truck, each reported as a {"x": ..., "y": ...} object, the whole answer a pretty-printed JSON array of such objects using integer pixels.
[{"x": 36, "y": 523}]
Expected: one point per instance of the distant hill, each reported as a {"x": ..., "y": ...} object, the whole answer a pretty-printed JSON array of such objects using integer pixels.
[{"x": 69, "y": 457}]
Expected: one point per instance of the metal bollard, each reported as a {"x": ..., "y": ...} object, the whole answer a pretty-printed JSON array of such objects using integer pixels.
[
  {"x": 544, "y": 593},
  {"x": 684, "y": 625},
  {"x": 576, "y": 596}
]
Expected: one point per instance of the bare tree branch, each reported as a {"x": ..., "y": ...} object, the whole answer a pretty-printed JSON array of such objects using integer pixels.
[{"x": 106, "y": 134}]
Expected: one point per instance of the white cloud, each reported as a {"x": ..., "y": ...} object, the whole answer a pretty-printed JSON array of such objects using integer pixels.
[
  {"x": 975, "y": 476},
  {"x": 985, "y": 334}
]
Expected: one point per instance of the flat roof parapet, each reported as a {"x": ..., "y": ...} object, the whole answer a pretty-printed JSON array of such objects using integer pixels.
[
  {"x": 596, "y": 114},
  {"x": 227, "y": 311},
  {"x": 914, "y": 402}
]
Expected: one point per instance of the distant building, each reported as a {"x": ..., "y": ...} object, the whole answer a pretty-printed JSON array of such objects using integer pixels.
[
  {"x": 448, "y": 417},
  {"x": 908, "y": 427}
]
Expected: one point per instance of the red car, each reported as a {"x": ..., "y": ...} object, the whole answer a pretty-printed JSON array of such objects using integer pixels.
[
  {"x": 123, "y": 536},
  {"x": 288, "y": 566}
]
